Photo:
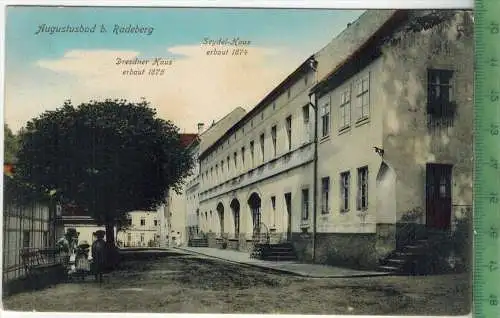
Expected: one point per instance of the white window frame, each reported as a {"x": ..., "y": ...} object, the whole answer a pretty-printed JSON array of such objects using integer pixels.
[
  {"x": 345, "y": 109},
  {"x": 345, "y": 196},
  {"x": 305, "y": 204},
  {"x": 274, "y": 131},
  {"x": 262, "y": 140},
  {"x": 362, "y": 197},
  {"x": 325, "y": 118},
  {"x": 325, "y": 195},
  {"x": 362, "y": 86},
  {"x": 288, "y": 127}
]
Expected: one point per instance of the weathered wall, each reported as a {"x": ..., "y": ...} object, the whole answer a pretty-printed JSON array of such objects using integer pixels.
[{"x": 408, "y": 143}]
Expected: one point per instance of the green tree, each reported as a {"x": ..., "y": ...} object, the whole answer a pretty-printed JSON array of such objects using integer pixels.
[
  {"x": 11, "y": 145},
  {"x": 108, "y": 158}
]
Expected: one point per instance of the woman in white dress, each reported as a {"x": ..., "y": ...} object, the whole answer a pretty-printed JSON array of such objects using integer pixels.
[{"x": 82, "y": 264}]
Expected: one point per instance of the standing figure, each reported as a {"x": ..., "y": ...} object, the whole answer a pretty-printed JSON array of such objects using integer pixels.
[
  {"x": 82, "y": 260},
  {"x": 99, "y": 255}
]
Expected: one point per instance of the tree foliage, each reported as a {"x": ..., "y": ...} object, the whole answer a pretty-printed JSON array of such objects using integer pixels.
[
  {"x": 11, "y": 145},
  {"x": 106, "y": 157}
]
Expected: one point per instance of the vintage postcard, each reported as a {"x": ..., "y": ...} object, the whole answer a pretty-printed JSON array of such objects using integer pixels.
[{"x": 238, "y": 160}]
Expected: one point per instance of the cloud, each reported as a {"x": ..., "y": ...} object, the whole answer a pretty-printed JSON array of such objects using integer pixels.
[{"x": 196, "y": 87}]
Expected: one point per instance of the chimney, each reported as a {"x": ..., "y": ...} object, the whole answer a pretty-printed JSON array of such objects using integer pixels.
[
  {"x": 349, "y": 24},
  {"x": 200, "y": 127}
]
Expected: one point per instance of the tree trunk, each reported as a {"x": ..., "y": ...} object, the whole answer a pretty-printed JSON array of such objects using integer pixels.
[
  {"x": 113, "y": 257},
  {"x": 110, "y": 234}
]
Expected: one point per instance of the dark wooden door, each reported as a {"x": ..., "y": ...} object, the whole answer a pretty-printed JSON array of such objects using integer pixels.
[
  {"x": 438, "y": 196},
  {"x": 288, "y": 203}
]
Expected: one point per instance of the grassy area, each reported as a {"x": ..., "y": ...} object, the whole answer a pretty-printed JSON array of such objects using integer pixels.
[{"x": 192, "y": 284}]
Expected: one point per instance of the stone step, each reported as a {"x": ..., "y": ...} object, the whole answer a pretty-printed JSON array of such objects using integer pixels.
[
  {"x": 280, "y": 258},
  {"x": 387, "y": 268},
  {"x": 396, "y": 260}
]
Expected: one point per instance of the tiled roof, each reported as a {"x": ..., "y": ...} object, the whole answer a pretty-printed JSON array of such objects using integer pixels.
[{"x": 187, "y": 139}]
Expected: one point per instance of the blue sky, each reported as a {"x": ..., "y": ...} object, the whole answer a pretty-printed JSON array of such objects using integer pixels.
[{"x": 41, "y": 64}]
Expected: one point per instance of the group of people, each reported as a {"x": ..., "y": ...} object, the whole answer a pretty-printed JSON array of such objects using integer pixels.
[{"x": 85, "y": 261}]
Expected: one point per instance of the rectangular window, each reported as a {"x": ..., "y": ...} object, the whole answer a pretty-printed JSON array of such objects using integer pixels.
[
  {"x": 252, "y": 152},
  {"x": 222, "y": 166},
  {"x": 325, "y": 119},
  {"x": 143, "y": 222},
  {"x": 439, "y": 86},
  {"x": 235, "y": 159},
  {"x": 305, "y": 117},
  {"x": 289, "y": 131},
  {"x": 155, "y": 222},
  {"x": 26, "y": 239},
  {"x": 142, "y": 237},
  {"x": 305, "y": 204},
  {"x": 363, "y": 97},
  {"x": 345, "y": 109},
  {"x": 273, "y": 137},
  {"x": 45, "y": 239},
  {"x": 362, "y": 199},
  {"x": 305, "y": 114},
  {"x": 243, "y": 156},
  {"x": 325, "y": 195},
  {"x": 228, "y": 163},
  {"x": 129, "y": 222},
  {"x": 344, "y": 191},
  {"x": 273, "y": 206},
  {"x": 262, "y": 146}
]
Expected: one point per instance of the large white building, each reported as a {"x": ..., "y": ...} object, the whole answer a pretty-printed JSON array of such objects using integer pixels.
[{"x": 366, "y": 145}]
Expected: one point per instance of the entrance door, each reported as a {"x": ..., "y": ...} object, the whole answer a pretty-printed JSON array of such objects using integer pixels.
[
  {"x": 438, "y": 196},
  {"x": 254, "y": 204},
  {"x": 288, "y": 202}
]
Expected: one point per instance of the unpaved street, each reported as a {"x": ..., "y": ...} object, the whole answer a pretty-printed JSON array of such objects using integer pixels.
[{"x": 192, "y": 284}]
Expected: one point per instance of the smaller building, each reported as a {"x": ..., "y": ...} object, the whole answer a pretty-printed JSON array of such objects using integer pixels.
[
  {"x": 142, "y": 231},
  {"x": 28, "y": 226}
]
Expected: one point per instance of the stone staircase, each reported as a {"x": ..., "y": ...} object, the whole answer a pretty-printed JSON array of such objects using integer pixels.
[
  {"x": 417, "y": 257},
  {"x": 198, "y": 242},
  {"x": 274, "y": 252}
]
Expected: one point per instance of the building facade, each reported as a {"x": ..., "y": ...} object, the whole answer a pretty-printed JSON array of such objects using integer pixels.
[
  {"x": 252, "y": 177},
  {"x": 396, "y": 154},
  {"x": 30, "y": 225},
  {"x": 192, "y": 192},
  {"x": 365, "y": 144},
  {"x": 142, "y": 231}
]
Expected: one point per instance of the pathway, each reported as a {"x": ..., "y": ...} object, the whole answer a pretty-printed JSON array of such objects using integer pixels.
[{"x": 290, "y": 267}]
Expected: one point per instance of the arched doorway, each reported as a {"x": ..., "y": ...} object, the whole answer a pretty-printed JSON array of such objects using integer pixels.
[
  {"x": 235, "y": 207},
  {"x": 254, "y": 202},
  {"x": 220, "y": 212}
]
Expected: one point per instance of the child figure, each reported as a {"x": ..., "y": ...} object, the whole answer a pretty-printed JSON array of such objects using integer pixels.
[{"x": 82, "y": 264}]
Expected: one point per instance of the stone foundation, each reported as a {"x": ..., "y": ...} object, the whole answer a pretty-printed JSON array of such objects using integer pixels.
[
  {"x": 386, "y": 238},
  {"x": 355, "y": 250},
  {"x": 302, "y": 244}
]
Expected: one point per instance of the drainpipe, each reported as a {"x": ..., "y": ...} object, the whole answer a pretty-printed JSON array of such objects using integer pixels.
[
  {"x": 313, "y": 101},
  {"x": 315, "y": 175}
]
